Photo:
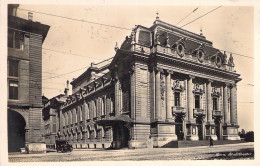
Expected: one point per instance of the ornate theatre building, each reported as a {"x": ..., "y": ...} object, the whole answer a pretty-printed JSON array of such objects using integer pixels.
[{"x": 164, "y": 84}]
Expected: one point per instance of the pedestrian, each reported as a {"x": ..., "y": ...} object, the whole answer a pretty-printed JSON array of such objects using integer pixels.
[{"x": 210, "y": 141}]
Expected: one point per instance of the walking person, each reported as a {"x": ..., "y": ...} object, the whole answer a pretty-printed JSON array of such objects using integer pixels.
[{"x": 210, "y": 141}]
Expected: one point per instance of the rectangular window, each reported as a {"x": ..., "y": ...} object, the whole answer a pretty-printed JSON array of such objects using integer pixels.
[
  {"x": 215, "y": 103},
  {"x": 177, "y": 98},
  {"x": 13, "y": 90},
  {"x": 13, "y": 68},
  {"x": 15, "y": 39},
  {"x": 197, "y": 101}
]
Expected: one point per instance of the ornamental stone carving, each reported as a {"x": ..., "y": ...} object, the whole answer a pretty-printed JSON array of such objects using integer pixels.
[
  {"x": 162, "y": 87},
  {"x": 198, "y": 89},
  {"x": 231, "y": 61},
  {"x": 177, "y": 86},
  {"x": 215, "y": 92}
]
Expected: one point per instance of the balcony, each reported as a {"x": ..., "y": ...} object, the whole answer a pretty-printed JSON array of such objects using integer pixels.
[
  {"x": 199, "y": 112},
  {"x": 178, "y": 110},
  {"x": 217, "y": 113}
]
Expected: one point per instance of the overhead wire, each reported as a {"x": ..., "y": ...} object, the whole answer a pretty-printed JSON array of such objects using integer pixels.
[
  {"x": 187, "y": 15},
  {"x": 113, "y": 27},
  {"x": 74, "y": 19},
  {"x": 201, "y": 16}
]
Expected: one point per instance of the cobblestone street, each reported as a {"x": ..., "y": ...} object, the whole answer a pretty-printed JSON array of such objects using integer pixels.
[{"x": 232, "y": 151}]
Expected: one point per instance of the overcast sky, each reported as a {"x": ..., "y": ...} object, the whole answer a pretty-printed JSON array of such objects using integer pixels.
[{"x": 229, "y": 28}]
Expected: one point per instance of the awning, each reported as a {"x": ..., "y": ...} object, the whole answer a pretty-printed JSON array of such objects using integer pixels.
[{"x": 120, "y": 119}]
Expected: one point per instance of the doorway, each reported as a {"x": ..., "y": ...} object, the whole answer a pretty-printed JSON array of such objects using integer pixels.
[{"x": 16, "y": 131}]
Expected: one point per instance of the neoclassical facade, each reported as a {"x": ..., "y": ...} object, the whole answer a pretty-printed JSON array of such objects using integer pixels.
[{"x": 164, "y": 84}]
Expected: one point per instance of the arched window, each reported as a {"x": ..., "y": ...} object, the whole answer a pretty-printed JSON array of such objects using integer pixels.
[
  {"x": 80, "y": 113},
  {"x": 87, "y": 111},
  {"x": 103, "y": 106},
  {"x": 102, "y": 132},
  {"x": 63, "y": 120},
  {"x": 95, "y": 108},
  {"x": 76, "y": 115},
  {"x": 70, "y": 117},
  {"x": 112, "y": 104}
]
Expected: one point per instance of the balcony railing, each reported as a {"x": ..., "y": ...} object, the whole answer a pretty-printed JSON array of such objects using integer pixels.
[
  {"x": 178, "y": 110},
  {"x": 217, "y": 113},
  {"x": 199, "y": 111}
]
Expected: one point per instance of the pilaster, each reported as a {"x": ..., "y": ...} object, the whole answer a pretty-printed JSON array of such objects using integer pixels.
[
  {"x": 169, "y": 103},
  {"x": 225, "y": 105},
  {"x": 157, "y": 95}
]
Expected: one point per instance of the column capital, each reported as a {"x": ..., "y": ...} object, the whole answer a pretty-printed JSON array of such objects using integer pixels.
[
  {"x": 191, "y": 76},
  {"x": 210, "y": 80},
  {"x": 158, "y": 69},
  {"x": 169, "y": 72},
  {"x": 131, "y": 69},
  {"x": 233, "y": 85},
  {"x": 226, "y": 84}
]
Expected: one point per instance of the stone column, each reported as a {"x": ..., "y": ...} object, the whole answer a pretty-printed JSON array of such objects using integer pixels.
[
  {"x": 117, "y": 100},
  {"x": 168, "y": 97},
  {"x": 225, "y": 104},
  {"x": 190, "y": 99},
  {"x": 233, "y": 104},
  {"x": 104, "y": 100},
  {"x": 209, "y": 105},
  {"x": 157, "y": 95},
  {"x": 132, "y": 91}
]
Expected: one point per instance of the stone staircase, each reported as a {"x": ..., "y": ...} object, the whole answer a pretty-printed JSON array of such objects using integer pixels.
[{"x": 184, "y": 143}]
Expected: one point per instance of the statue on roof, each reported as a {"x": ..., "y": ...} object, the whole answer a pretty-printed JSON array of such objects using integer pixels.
[
  {"x": 157, "y": 35},
  {"x": 225, "y": 58},
  {"x": 167, "y": 42},
  {"x": 116, "y": 47},
  {"x": 231, "y": 60},
  {"x": 133, "y": 36}
]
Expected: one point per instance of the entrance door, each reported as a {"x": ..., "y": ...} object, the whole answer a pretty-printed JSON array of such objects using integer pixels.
[
  {"x": 16, "y": 131},
  {"x": 178, "y": 128},
  {"x": 217, "y": 129},
  {"x": 200, "y": 131},
  {"x": 120, "y": 137}
]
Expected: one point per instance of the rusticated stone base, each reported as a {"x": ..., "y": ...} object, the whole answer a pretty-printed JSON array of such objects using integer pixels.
[
  {"x": 231, "y": 133},
  {"x": 36, "y": 148},
  {"x": 137, "y": 144},
  {"x": 214, "y": 137},
  {"x": 163, "y": 134}
]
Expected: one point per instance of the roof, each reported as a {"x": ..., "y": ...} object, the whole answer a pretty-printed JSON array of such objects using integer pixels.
[
  {"x": 28, "y": 26},
  {"x": 94, "y": 67}
]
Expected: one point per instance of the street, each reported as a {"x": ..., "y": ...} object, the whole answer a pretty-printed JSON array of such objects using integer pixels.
[{"x": 219, "y": 152}]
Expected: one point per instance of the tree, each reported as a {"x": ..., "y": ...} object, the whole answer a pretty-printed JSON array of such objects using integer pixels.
[{"x": 249, "y": 137}]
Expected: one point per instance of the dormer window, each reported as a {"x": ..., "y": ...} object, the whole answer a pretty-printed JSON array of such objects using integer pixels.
[
  {"x": 180, "y": 50},
  {"x": 200, "y": 55}
]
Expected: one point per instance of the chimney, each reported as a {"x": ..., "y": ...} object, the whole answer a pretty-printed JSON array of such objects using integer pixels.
[
  {"x": 66, "y": 91},
  {"x": 30, "y": 16}
]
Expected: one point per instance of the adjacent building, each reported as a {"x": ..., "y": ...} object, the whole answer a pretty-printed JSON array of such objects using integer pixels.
[
  {"x": 164, "y": 84},
  {"x": 24, "y": 82}
]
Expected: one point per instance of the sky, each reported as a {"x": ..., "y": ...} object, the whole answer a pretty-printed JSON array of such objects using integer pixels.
[{"x": 229, "y": 28}]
